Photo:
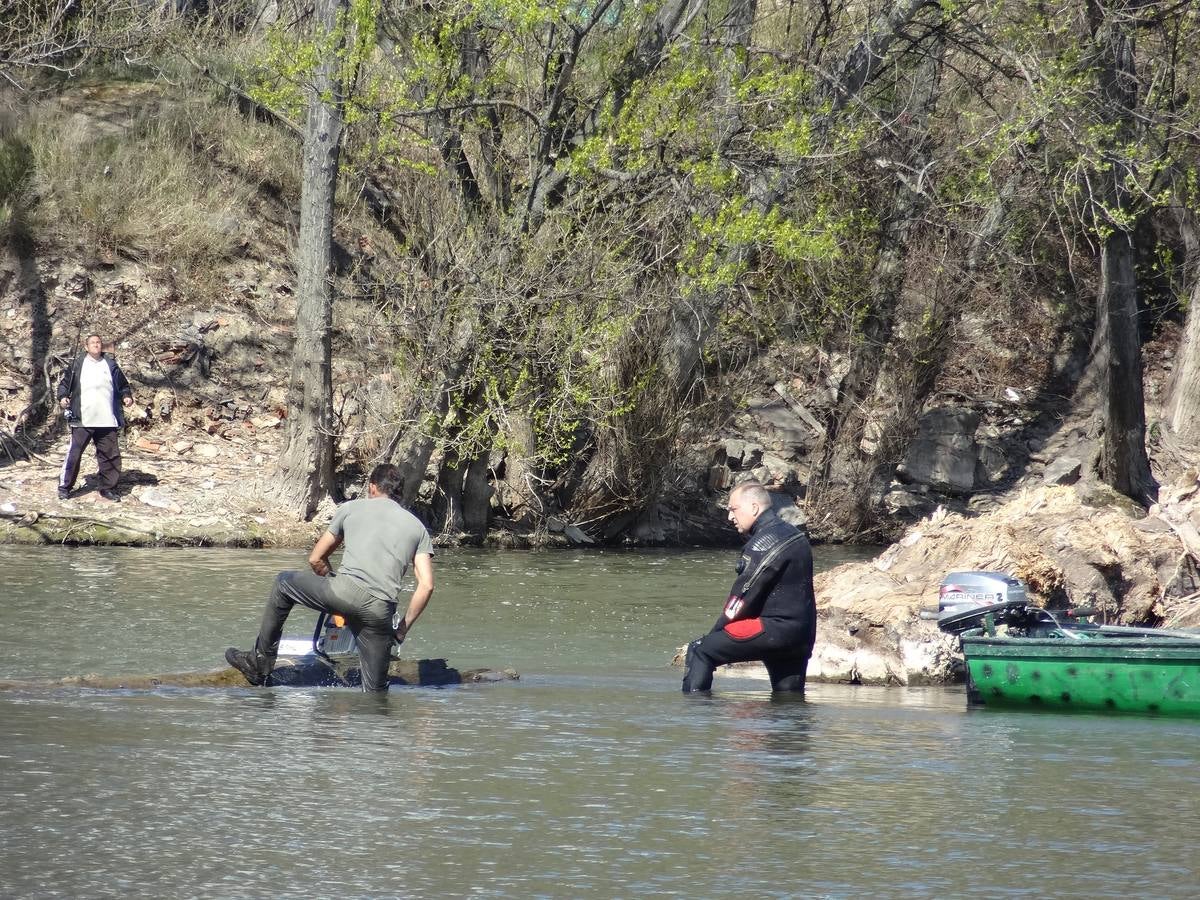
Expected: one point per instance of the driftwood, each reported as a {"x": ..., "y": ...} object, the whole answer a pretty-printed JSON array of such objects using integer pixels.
[
  {"x": 34, "y": 526},
  {"x": 1176, "y": 507},
  {"x": 31, "y": 517},
  {"x": 306, "y": 671}
]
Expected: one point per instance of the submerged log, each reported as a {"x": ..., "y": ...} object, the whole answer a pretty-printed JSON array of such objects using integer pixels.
[{"x": 290, "y": 671}]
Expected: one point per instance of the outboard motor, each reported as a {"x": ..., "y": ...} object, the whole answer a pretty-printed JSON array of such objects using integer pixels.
[
  {"x": 961, "y": 591},
  {"x": 965, "y": 598},
  {"x": 330, "y": 637}
]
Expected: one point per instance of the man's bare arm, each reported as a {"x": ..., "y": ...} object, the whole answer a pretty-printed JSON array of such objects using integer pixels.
[
  {"x": 318, "y": 559},
  {"x": 423, "y": 570}
]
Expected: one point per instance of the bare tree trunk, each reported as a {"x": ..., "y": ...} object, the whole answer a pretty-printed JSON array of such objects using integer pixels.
[
  {"x": 477, "y": 496},
  {"x": 1183, "y": 401},
  {"x": 643, "y": 58},
  {"x": 1116, "y": 365},
  {"x": 520, "y": 442},
  {"x": 928, "y": 354},
  {"x": 840, "y": 478},
  {"x": 410, "y": 450},
  {"x": 448, "y": 501},
  {"x": 841, "y": 481},
  {"x": 1183, "y": 409},
  {"x": 739, "y": 23},
  {"x": 695, "y": 318},
  {"x": 306, "y": 465}
]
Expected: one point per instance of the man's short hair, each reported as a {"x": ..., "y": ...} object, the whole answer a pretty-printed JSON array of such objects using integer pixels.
[
  {"x": 754, "y": 491},
  {"x": 93, "y": 335},
  {"x": 387, "y": 479}
]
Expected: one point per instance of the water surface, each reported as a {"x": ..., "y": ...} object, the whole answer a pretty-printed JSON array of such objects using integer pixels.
[{"x": 592, "y": 776}]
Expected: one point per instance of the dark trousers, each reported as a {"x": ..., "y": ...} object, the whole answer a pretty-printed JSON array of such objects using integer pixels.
[
  {"x": 368, "y": 618},
  {"x": 108, "y": 456},
  {"x": 786, "y": 661}
]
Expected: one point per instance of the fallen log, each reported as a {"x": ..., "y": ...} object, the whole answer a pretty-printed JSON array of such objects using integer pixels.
[{"x": 301, "y": 671}]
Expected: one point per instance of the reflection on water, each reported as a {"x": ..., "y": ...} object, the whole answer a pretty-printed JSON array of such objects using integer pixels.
[{"x": 591, "y": 777}]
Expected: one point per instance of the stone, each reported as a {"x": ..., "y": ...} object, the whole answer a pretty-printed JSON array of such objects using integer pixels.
[
  {"x": 302, "y": 671},
  {"x": 577, "y": 535},
  {"x": 991, "y": 463},
  {"x": 779, "y": 421},
  {"x": 944, "y": 453},
  {"x": 910, "y": 504},
  {"x": 789, "y": 511},
  {"x": 781, "y": 471},
  {"x": 163, "y": 404},
  {"x": 1063, "y": 470},
  {"x": 741, "y": 454},
  {"x": 159, "y": 500}
]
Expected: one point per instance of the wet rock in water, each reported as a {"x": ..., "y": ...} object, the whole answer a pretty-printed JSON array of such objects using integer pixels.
[{"x": 305, "y": 671}]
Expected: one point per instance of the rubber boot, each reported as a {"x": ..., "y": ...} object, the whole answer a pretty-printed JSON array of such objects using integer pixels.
[{"x": 254, "y": 665}]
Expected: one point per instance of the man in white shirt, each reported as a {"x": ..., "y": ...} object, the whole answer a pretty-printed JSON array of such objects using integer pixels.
[{"x": 93, "y": 392}]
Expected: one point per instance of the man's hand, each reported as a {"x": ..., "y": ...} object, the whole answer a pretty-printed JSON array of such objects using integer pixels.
[
  {"x": 65, "y": 402},
  {"x": 318, "y": 559},
  {"x": 128, "y": 401},
  {"x": 399, "y": 627}
]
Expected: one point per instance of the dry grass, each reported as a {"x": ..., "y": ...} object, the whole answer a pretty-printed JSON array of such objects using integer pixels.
[
  {"x": 16, "y": 167},
  {"x": 167, "y": 181},
  {"x": 134, "y": 192}
]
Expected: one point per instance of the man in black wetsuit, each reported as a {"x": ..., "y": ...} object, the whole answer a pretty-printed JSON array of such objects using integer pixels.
[{"x": 771, "y": 614}]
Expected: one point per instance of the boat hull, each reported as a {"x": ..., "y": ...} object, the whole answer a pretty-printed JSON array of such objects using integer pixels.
[{"x": 1109, "y": 674}]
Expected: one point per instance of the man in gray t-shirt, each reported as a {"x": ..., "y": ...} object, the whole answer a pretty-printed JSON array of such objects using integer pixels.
[{"x": 382, "y": 539}]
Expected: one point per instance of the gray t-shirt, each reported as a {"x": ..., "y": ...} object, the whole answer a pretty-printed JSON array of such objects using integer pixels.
[{"x": 379, "y": 539}]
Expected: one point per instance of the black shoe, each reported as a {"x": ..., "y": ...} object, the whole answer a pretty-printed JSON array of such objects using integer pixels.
[
  {"x": 110, "y": 496},
  {"x": 250, "y": 663},
  {"x": 64, "y": 493}
]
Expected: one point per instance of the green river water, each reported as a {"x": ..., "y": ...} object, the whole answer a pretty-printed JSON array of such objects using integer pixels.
[{"x": 591, "y": 776}]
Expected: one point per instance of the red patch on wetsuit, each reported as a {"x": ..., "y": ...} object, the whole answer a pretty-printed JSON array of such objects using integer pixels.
[{"x": 744, "y": 629}]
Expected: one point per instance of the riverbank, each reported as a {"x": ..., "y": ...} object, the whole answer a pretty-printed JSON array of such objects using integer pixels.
[
  {"x": 208, "y": 348},
  {"x": 1073, "y": 545},
  {"x": 163, "y": 502}
]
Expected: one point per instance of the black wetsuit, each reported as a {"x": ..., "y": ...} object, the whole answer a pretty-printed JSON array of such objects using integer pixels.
[{"x": 771, "y": 614}]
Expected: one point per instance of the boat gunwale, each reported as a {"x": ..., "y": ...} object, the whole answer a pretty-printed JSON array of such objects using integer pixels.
[{"x": 1131, "y": 650}]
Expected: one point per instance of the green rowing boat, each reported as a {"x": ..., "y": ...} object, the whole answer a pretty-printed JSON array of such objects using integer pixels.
[
  {"x": 1159, "y": 676},
  {"x": 1023, "y": 656}
]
